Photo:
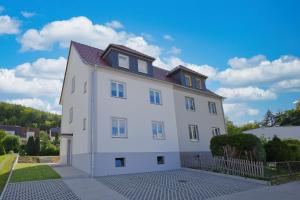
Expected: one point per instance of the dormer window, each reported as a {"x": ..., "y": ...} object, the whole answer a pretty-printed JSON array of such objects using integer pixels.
[
  {"x": 142, "y": 66},
  {"x": 199, "y": 83},
  {"x": 123, "y": 61},
  {"x": 188, "y": 80}
]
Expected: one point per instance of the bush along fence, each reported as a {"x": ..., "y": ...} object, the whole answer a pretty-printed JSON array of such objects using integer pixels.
[{"x": 230, "y": 166}]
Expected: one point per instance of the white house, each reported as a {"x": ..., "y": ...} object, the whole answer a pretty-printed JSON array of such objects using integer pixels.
[{"x": 121, "y": 114}]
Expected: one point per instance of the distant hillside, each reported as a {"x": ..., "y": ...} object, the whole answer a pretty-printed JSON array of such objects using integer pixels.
[{"x": 12, "y": 114}]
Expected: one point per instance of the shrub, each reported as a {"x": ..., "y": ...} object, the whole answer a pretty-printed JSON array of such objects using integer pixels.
[
  {"x": 2, "y": 150},
  {"x": 11, "y": 143},
  {"x": 30, "y": 147},
  {"x": 50, "y": 150},
  {"x": 37, "y": 146},
  {"x": 278, "y": 150},
  {"x": 2, "y": 134}
]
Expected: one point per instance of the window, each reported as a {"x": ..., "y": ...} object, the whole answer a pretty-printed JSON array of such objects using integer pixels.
[
  {"x": 84, "y": 87},
  {"x": 119, "y": 127},
  {"x": 188, "y": 80},
  {"x": 123, "y": 61},
  {"x": 160, "y": 160},
  {"x": 71, "y": 115},
  {"x": 158, "y": 130},
  {"x": 155, "y": 97},
  {"x": 73, "y": 85},
  {"x": 119, "y": 162},
  {"x": 142, "y": 66},
  {"x": 212, "y": 108},
  {"x": 118, "y": 89},
  {"x": 193, "y": 132},
  {"x": 84, "y": 124},
  {"x": 215, "y": 131},
  {"x": 189, "y": 103},
  {"x": 198, "y": 83}
]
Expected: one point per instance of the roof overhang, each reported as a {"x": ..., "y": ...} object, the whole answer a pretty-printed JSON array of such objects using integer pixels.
[{"x": 183, "y": 68}]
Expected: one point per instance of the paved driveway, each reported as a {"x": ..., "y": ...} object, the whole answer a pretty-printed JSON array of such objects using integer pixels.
[{"x": 176, "y": 184}]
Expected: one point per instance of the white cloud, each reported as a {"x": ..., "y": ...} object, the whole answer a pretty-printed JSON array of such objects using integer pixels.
[
  {"x": 174, "y": 51},
  {"x": 168, "y": 37},
  {"x": 9, "y": 25},
  {"x": 292, "y": 85},
  {"x": 2, "y": 9},
  {"x": 43, "y": 68},
  {"x": 114, "y": 24},
  {"x": 27, "y": 14},
  {"x": 258, "y": 69},
  {"x": 237, "y": 110},
  {"x": 246, "y": 94}
]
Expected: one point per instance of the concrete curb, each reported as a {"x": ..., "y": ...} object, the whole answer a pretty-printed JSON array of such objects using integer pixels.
[
  {"x": 230, "y": 176},
  {"x": 8, "y": 179}
]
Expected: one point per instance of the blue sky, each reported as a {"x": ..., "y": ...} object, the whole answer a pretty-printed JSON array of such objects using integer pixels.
[{"x": 249, "y": 49}]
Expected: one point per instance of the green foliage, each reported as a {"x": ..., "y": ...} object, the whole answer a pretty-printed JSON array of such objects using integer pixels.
[
  {"x": 11, "y": 143},
  {"x": 245, "y": 146},
  {"x": 294, "y": 146},
  {"x": 30, "y": 146},
  {"x": 12, "y": 114},
  {"x": 2, "y": 150},
  {"x": 2, "y": 134},
  {"x": 233, "y": 129},
  {"x": 37, "y": 146},
  {"x": 56, "y": 141},
  {"x": 50, "y": 150},
  {"x": 269, "y": 119}
]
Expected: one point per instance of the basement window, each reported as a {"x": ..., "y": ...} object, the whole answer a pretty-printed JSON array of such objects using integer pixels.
[
  {"x": 119, "y": 162},
  {"x": 160, "y": 160}
]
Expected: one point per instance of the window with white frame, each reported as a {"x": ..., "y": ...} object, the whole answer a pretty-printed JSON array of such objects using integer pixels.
[
  {"x": 215, "y": 131},
  {"x": 118, "y": 89},
  {"x": 193, "y": 133},
  {"x": 198, "y": 83},
  {"x": 119, "y": 162},
  {"x": 123, "y": 61},
  {"x": 73, "y": 85},
  {"x": 84, "y": 124},
  {"x": 188, "y": 80},
  {"x": 142, "y": 66},
  {"x": 84, "y": 87},
  {"x": 118, "y": 127},
  {"x": 158, "y": 131},
  {"x": 212, "y": 107},
  {"x": 189, "y": 103},
  {"x": 71, "y": 115},
  {"x": 155, "y": 96}
]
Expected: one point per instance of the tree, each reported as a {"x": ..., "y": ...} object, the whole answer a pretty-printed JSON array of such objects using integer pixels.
[
  {"x": 37, "y": 146},
  {"x": 2, "y": 134},
  {"x": 277, "y": 150},
  {"x": 298, "y": 105},
  {"x": 11, "y": 143},
  {"x": 2, "y": 150},
  {"x": 30, "y": 146},
  {"x": 269, "y": 119}
]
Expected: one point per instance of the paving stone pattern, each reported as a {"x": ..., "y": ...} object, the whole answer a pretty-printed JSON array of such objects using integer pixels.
[
  {"x": 39, "y": 190},
  {"x": 175, "y": 185}
]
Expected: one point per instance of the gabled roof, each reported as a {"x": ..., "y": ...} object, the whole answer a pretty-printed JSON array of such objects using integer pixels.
[
  {"x": 181, "y": 67},
  {"x": 94, "y": 56},
  {"x": 127, "y": 49}
]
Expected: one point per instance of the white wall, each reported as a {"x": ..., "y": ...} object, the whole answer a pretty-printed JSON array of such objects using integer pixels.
[
  {"x": 200, "y": 117},
  {"x": 80, "y": 103},
  {"x": 138, "y": 111}
]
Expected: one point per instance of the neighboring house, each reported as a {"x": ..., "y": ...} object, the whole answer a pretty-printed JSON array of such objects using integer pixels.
[
  {"x": 20, "y": 131},
  {"x": 121, "y": 114},
  {"x": 53, "y": 132},
  {"x": 283, "y": 132}
]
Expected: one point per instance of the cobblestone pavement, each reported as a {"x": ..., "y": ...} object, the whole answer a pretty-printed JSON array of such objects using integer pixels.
[
  {"x": 175, "y": 185},
  {"x": 39, "y": 190}
]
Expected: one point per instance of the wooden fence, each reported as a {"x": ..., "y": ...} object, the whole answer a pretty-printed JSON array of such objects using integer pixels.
[{"x": 230, "y": 166}]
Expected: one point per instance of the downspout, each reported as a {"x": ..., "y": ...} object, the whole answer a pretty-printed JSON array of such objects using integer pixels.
[{"x": 92, "y": 118}]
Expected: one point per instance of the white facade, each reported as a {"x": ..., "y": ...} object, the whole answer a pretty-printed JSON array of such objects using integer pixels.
[{"x": 87, "y": 134}]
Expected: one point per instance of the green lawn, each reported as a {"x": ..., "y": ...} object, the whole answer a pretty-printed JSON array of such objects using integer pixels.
[
  {"x": 6, "y": 164},
  {"x": 32, "y": 172}
]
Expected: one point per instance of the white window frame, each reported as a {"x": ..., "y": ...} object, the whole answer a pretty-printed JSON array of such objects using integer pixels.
[
  {"x": 215, "y": 131},
  {"x": 73, "y": 85},
  {"x": 193, "y": 133},
  {"x": 84, "y": 87},
  {"x": 118, "y": 127},
  {"x": 162, "y": 135},
  {"x": 155, "y": 94},
  {"x": 189, "y": 84},
  {"x": 199, "y": 83},
  {"x": 190, "y": 103},
  {"x": 212, "y": 107},
  {"x": 142, "y": 66},
  {"x": 71, "y": 112},
  {"x": 84, "y": 124},
  {"x": 117, "y": 89},
  {"x": 123, "y": 61}
]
